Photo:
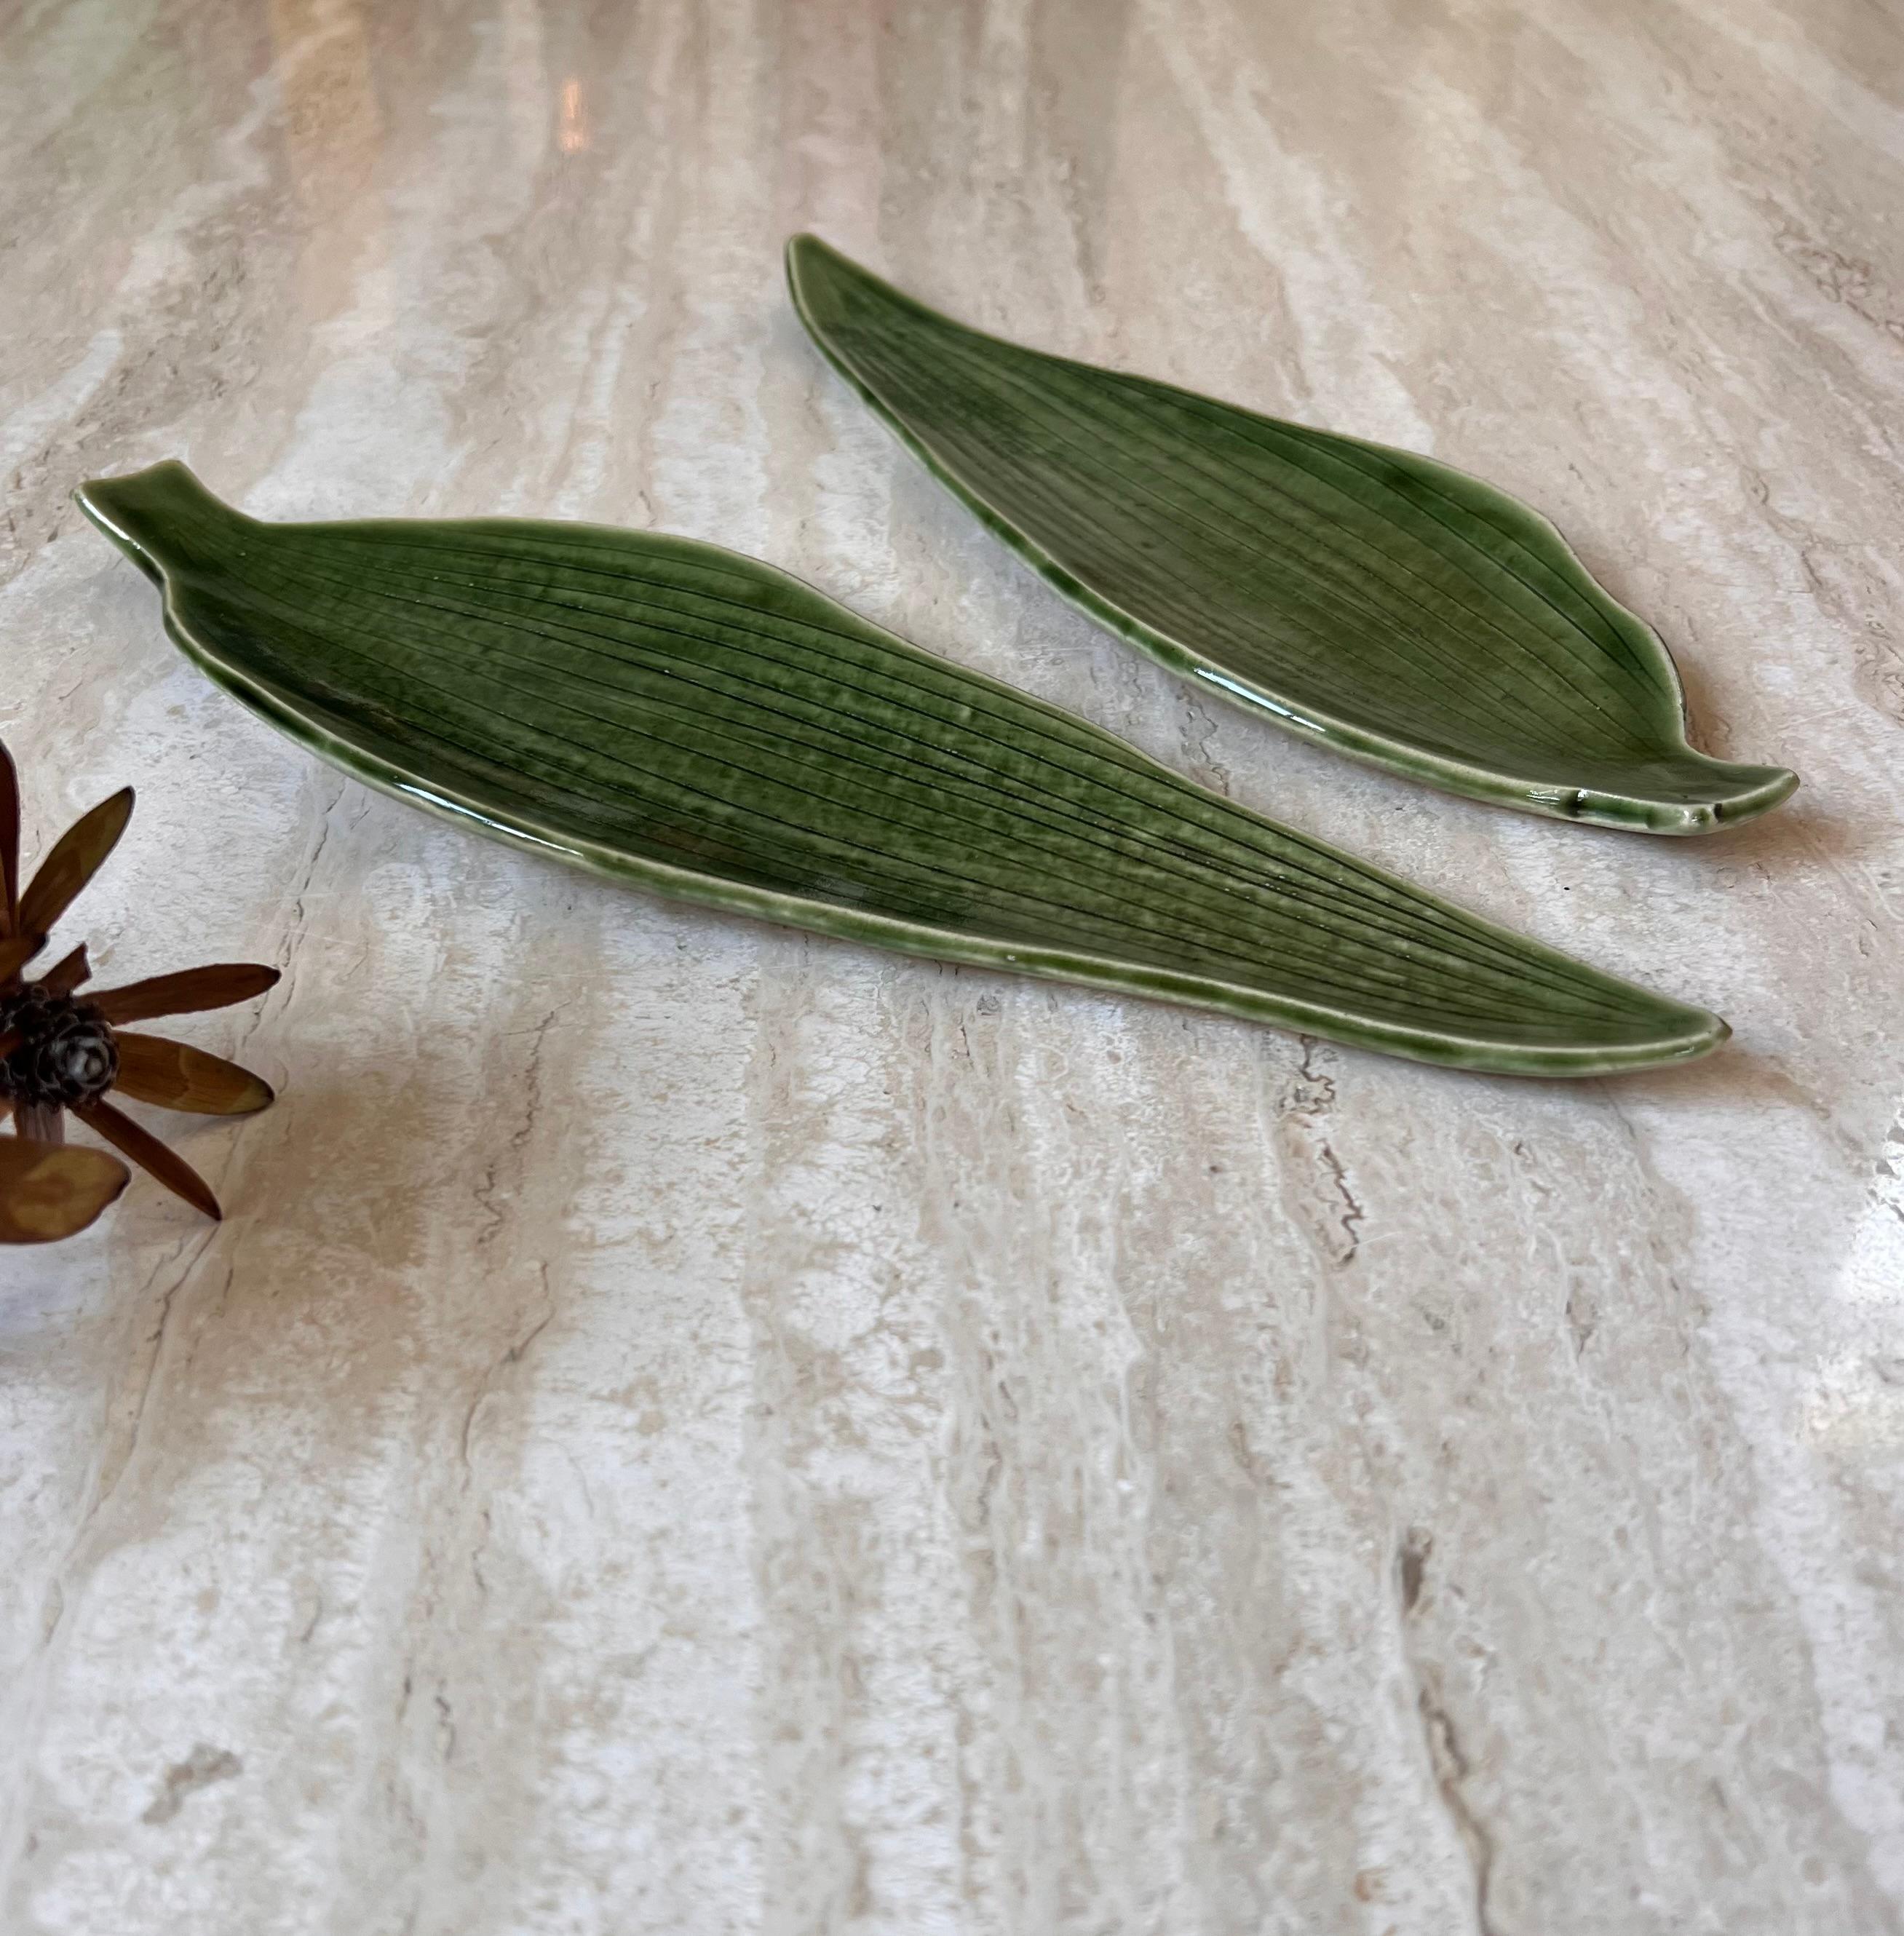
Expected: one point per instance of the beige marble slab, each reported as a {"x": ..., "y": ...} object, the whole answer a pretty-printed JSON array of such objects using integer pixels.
[{"x": 693, "y": 1428}]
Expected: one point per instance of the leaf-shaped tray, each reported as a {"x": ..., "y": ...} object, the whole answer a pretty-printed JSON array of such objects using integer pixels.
[
  {"x": 1400, "y": 611},
  {"x": 699, "y": 724}
]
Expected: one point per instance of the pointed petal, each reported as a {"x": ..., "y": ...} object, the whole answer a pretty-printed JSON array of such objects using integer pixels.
[
  {"x": 150, "y": 1154},
  {"x": 68, "y": 972},
  {"x": 176, "y": 1076},
  {"x": 15, "y": 951},
  {"x": 9, "y": 842},
  {"x": 42, "y": 1123},
  {"x": 185, "y": 992},
  {"x": 48, "y": 1190},
  {"x": 75, "y": 859}
]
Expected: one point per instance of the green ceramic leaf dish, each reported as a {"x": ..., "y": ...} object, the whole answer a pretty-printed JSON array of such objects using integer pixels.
[
  {"x": 1401, "y": 613},
  {"x": 698, "y": 724}
]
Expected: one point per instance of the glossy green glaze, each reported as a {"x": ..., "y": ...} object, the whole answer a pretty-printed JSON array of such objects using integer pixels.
[
  {"x": 697, "y": 723},
  {"x": 1400, "y": 611}
]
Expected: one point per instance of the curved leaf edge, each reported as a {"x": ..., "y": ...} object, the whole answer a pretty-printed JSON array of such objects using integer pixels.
[
  {"x": 1688, "y": 1032},
  {"x": 1759, "y": 788}
]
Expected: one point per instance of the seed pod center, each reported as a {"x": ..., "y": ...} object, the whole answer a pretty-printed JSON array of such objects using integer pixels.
[{"x": 65, "y": 1054}]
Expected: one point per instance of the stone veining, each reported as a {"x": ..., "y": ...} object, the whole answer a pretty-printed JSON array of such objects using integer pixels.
[{"x": 966, "y": 1480}]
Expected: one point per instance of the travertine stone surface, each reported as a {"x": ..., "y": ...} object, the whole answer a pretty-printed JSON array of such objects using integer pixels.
[{"x": 689, "y": 1427}]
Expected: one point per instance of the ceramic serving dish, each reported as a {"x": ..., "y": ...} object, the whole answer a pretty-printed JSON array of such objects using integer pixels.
[
  {"x": 698, "y": 724},
  {"x": 1397, "y": 610}
]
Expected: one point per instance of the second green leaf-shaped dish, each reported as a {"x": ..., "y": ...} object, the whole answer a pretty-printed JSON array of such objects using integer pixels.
[
  {"x": 700, "y": 725},
  {"x": 1401, "y": 611}
]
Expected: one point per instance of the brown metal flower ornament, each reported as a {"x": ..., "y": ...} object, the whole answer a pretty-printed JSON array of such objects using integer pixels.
[{"x": 59, "y": 1052}]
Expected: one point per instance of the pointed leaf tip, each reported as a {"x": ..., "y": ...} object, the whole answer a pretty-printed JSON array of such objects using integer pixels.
[
  {"x": 76, "y": 856},
  {"x": 71, "y": 971},
  {"x": 693, "y": 722},
  {"x": 156, "y": 1159},
  {"x": 1403, "y": 612},
  {"x": 173, "y": 1075},
  {"x": 189, "y": 991}
]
